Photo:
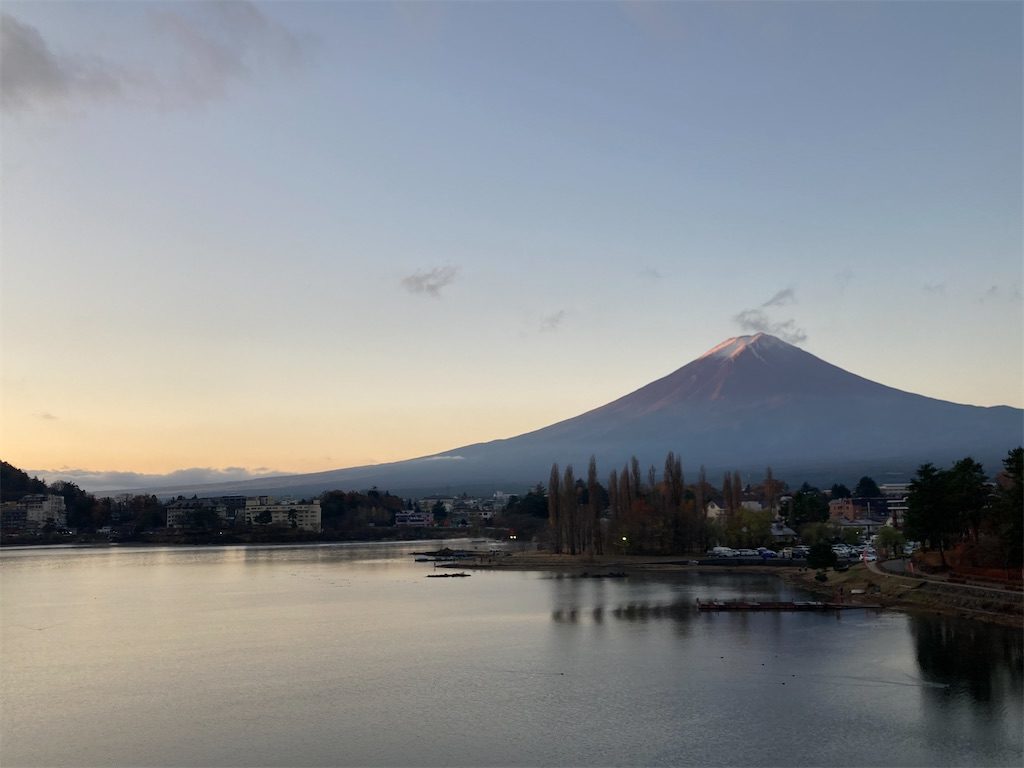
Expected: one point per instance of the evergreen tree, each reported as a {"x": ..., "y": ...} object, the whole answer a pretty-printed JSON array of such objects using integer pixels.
[
  {"x": 1008, "y": 508},
  {"x": 866, "y": 489},
  {"x": 930, "y": 517},
  {"x": 840, "y": 491},
  {"x": 968, "y": 495}
]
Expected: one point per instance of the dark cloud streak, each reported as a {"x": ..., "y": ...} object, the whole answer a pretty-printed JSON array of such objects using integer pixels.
[
  {"x": 430, "y": 282},
  {"x": 551, "y": 323},
  {"x": 210, "y": 47},
  {"x": 30, "y": 73}
]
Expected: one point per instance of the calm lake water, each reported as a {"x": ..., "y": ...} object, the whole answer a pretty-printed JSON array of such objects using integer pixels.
[{"x": 346, "y": 655}]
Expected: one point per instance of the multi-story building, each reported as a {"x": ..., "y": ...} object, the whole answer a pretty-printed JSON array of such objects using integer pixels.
[
  {"x": 896, "y": 495},
  {"x": 844, "y": 509},
  {"x": 42, "y": 509},
  {"x": 264, "y": 510}
]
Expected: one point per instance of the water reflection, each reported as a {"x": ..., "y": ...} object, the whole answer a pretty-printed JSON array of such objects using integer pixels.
[
  {"x": 627, "y": 612},
  {"x": 977, "y": 660}
]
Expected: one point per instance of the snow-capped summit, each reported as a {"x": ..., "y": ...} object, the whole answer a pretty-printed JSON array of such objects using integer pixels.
[{"x": 737, "y": 345}]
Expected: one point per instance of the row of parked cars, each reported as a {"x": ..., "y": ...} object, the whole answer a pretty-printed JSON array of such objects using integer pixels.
[
  {"x": 799, "y": 552},
  {"x": 761, "y": 552},
  {"x": 866, "y": 552}
]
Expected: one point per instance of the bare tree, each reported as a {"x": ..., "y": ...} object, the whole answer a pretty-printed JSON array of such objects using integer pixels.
[
  {"x": 569, "y": 509},
  {"x": 554, "y": 511},
  {"x": 593, "y": 497}
]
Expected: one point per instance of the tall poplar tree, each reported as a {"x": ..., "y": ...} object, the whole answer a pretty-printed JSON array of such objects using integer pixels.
[
  {"x": 554, "y": 511},
  {"x": 594, "y": 499},
  {"x": 569, "y": 509}
]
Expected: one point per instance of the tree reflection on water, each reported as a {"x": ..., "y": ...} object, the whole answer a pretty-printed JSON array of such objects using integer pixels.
[{"x": 983, "y": 661}]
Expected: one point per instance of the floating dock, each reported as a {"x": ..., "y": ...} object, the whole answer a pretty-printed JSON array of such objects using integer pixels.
[{"x": 806, "y": 605}]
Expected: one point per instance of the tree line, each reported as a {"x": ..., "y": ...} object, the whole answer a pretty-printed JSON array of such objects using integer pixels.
[
  {"x": 959, "y": 507},
  {"x": 647, "y": 512},
  {"x": 658, "y": 512}
]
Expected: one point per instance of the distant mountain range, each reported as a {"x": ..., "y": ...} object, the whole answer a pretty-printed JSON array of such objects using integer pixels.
[{"x": 748, "y": 403}]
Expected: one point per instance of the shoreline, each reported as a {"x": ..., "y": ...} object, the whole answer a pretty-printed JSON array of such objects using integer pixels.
[{"x": 908, "y": 594}]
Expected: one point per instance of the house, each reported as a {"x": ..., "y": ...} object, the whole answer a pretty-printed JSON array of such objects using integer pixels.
[
  {"x": 782, "y": 533},
  {"x": 713, "y": 512}
]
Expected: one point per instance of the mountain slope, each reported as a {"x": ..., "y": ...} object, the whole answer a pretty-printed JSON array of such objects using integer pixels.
[{"x": 749, "y": 402}]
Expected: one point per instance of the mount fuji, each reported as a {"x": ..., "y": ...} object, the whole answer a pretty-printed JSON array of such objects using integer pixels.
[{"x": 748, "y": 403}]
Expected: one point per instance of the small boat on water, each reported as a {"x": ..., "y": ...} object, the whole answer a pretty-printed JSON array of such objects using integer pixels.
[{"x": 448, "y": 575}]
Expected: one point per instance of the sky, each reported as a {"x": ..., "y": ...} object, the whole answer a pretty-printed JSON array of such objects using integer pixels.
[{"x": 241, "y": 239}]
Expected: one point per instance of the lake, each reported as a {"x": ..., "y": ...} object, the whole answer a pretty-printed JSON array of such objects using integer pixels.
[{"x": 346, "y": 655}]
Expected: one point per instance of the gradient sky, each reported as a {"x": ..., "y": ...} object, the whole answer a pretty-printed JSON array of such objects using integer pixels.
[{"x": 297, "y": 237}]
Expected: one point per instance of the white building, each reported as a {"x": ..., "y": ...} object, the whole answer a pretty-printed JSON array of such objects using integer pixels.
[
  {"x": 501, "y": 499},
  {"x": 713, "y": 511},
  {"x": 41, "y": 508},
  {"x": 264, "y": 510},
  {"x": 896, "y": 496}
]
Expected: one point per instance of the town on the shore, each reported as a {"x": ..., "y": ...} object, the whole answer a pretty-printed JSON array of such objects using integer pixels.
[{"x": 955, "y": 515}]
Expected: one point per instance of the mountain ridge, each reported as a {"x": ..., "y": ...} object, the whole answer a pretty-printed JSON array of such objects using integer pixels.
[{"x": 747, "y": 403}]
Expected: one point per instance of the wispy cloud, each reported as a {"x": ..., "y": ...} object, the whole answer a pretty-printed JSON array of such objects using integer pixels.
[
  {"x": 781, "y": 298},
  {"x": 649, "y": 273},
  {"x": 757, "y": 320},
  {"x": 935, "y": 289},
  {"x": 95, "y": 481},
  {"x": 550, "y": 323},
  {"x": 990, "y": 294},
  {"x": 1000, "y": 293},
  {"x": 203, "y": 50},
  {"x": 430, "y": 282},
  {"x": 45, "y": 416},
  {"x": 30, "y": 73}
]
